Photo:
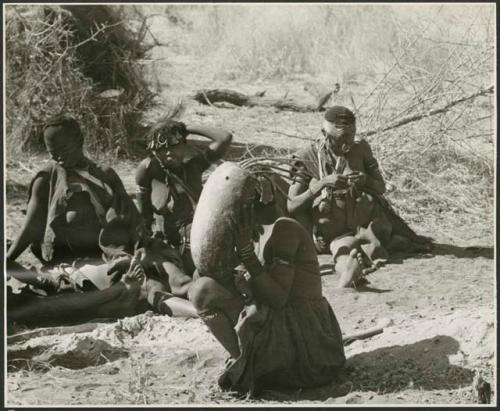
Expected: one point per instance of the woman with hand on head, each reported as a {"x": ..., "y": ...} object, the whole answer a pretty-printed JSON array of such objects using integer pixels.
[
  {"x": 169, "y": 183},
  {"x": 84, "y": 228}
]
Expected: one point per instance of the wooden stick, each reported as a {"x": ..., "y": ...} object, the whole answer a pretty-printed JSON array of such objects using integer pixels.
[{"x": 370, "y": 332}]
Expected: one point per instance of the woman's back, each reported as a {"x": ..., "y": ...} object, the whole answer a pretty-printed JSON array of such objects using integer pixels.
[{"x": 307, "y": 281}]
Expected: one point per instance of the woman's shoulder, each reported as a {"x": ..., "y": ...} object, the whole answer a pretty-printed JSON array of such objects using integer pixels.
[
  {"x": 40, "y": 181},
  {"x": 147, "y": 162},
  {"x": 149, "y": 165},
  {"x": 362, "y": 145},
  {"x": 45, "y": 172},
  {"x": 306, "y": 153},
  {"x": 101, "y": 171},
  {"x": 148, "y": 169},
  {"x": 288, "y": 224}
]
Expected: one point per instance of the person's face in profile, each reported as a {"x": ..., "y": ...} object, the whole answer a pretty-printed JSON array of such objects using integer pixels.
[{"x": 172, "y": 155}]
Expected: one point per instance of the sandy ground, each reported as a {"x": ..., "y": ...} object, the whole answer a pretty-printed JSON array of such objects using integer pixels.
[
  {"x": 441, "y": 305},
  {"x": 428, "y": 355}
]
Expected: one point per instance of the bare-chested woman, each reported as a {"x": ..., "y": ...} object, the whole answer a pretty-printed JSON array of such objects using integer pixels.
[
  {"x": 78, "y": 213},
  {"x": 169, "y": 183},
  {"x": 283, "y": 333}
]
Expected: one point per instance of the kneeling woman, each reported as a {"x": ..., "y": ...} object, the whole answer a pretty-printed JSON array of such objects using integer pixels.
[{"x": 280, "y": 332}]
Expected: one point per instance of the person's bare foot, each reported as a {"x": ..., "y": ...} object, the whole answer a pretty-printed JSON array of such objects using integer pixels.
[
  {"x": 135, "y": 279},
  {"x": 349, "y": 268}
]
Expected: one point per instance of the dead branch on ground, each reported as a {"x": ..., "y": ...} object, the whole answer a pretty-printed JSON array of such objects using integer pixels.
[{"x": 209, "y": 97}]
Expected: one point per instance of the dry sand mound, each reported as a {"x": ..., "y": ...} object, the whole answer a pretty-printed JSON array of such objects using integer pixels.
[{"x": 183, "y": 360}]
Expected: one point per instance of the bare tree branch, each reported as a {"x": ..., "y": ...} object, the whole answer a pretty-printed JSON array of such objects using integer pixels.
[{"x": 420, "y": 116}]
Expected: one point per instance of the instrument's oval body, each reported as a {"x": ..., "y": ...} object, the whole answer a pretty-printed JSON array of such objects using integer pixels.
[{"x": 215, "y": 220}]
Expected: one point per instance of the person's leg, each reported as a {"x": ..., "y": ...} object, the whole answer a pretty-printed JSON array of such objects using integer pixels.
[
  {"x": 120, "y": 300},
  {"x": 371, "y": 244},
  {"x": 25, "y": 276},
  {"x": 175, "y": 306},
  {"x": 219, "y": 309},
  {"x": 164, "y": 302},
  {"x": 347, "y": 260}
]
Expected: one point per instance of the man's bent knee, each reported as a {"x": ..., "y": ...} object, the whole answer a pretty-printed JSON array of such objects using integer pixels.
[{"x": 203, "y": 293}]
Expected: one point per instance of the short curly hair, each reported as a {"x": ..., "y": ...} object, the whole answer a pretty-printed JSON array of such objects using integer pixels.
[
  {"x": 67, "y": 122},
  {"x": 158, "y": 134}
]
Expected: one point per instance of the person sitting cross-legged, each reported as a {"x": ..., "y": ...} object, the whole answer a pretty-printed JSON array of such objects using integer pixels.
[{"x": 342, "y": 204}]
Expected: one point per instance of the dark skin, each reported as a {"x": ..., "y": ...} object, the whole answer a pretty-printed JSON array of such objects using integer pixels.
[
  {"x": 172, "y": 158},
  {"x": 121, "y": 298},
  {"x": 301, "y": 196},
  {"x": 33, "y": 226},
  {"x": 65, "y": 151},
  {"x": 173, "y": 297},
  {"x": 271, "y": 286},
  {"x": 68, "y": 152}
]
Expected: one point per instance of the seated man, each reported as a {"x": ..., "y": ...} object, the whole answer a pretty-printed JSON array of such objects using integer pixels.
[
  {"x": 78, "y": 213},
  {"x": 342, "y": 205}
]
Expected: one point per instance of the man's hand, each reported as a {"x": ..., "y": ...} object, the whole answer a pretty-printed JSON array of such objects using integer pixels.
[
  {"x": 357, "y": 178},
  {"x": 334, "y": 180},
  {"x": 118, "y": 267}
]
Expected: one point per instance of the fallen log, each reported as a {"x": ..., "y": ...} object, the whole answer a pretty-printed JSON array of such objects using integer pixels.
[{"x": 209, "y": 97}]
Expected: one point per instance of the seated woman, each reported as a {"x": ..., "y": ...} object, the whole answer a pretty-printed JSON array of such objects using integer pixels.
[
  {"x": 276, "y": 325},
  {"x": 78, "y": 213},
  {"x": 169, "y": 183},
  {"x": 342, "y": 205}
]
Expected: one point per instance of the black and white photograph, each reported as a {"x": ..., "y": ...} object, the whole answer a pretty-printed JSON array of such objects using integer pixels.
[{"x": 249, "y": 204}]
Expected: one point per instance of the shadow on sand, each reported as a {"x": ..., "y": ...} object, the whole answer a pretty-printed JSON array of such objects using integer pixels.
[
  {"x": 423, "y": 365},
  {"x": 445, "y": 250},
  {"x": 463, "y": 252},
  {"x": 439, "y": 249}
]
